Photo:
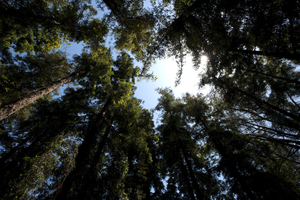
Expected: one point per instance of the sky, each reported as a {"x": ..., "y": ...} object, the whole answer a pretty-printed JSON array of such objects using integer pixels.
[{"x": 165, "y": 70}]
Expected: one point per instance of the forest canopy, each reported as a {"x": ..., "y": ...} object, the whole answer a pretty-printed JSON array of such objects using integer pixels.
[{"x": 96, "y": 141}]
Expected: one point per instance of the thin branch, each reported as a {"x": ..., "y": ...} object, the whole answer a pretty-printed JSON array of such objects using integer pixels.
[{"x": 292, "y": 100}]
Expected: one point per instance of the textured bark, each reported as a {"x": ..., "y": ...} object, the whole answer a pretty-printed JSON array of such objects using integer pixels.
[{"x": 13, "y": 107}]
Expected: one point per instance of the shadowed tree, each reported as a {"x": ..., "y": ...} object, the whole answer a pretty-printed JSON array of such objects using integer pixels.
[
  {"x": 183, "y": 157},
  {"x": 44, "y": 25}
]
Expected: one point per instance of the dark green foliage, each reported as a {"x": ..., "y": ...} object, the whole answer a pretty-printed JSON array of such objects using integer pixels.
[
  {"x": 31, "y": 73},
  {"x": 95, "y": 141},
  {"x": 44, "y": 25},
  {"x": 244, "y": 164}
]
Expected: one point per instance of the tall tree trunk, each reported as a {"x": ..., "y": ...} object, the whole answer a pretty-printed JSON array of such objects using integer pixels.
[
  {"x": 84, "y": 151},
  {"x": 198, "y": 190},
  {"x": 91, "y": 175},
  {"x": 186, "y": 177},
  {"x": 20, "y": 103}
]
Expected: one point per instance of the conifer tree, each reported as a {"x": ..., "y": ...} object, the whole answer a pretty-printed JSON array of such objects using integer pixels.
[{"x": 97, "y": 142}]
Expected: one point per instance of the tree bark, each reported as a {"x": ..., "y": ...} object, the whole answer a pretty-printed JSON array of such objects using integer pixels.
[{"x": 13, "y": 107}]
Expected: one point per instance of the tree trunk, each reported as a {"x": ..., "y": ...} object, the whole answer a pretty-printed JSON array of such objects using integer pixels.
[
  {"x": 84, "y": 151},
  {"x": 20, "y": 103},
  {"x": 198, "y": 190},
  {"x": 91, "y": 175},
  {"x": 186, "y": 177}
]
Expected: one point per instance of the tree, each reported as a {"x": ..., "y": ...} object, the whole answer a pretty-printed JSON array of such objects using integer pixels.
[
  {"x": 135, "y": 26},
  {"x": 242, "y": 157},
  {"x": 238, "y": 24},
  {"x": 264, "y": 93},
  {"x": 216, "y": 29},
  {"x": 120, "y": 89},
  {"x": 183, "y": 158},
  {"x": 51, "y": 24},
  {"x": 26, "y": 78},
  {"x": 97, "y": 142},
  {"x": 246, "y": 171},
  {"x": 30, "y": 73},
  {"x": 61, "y": 122},
  {"x": 84, "y": 65},
  {"x": 247, "y": 67},
  {"x": 15, "y": 106},
  {"x": 40, "y": 146}
]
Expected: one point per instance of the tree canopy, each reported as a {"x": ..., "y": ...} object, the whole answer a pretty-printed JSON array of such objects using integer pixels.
[{"x": 96, "y": 141}]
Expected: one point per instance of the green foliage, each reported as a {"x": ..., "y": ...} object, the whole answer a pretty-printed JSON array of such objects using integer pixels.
[
  {"x": 212, "y": 140},
  {"x": 52, "y": 23},
  {"x": 31, "y": 73},
  {"x": 42, "y": 167},
  {"x": 96, "y": 141}
]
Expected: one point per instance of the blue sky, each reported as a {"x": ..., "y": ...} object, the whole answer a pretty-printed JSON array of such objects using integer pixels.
[{"x": 165, "y": 70}]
